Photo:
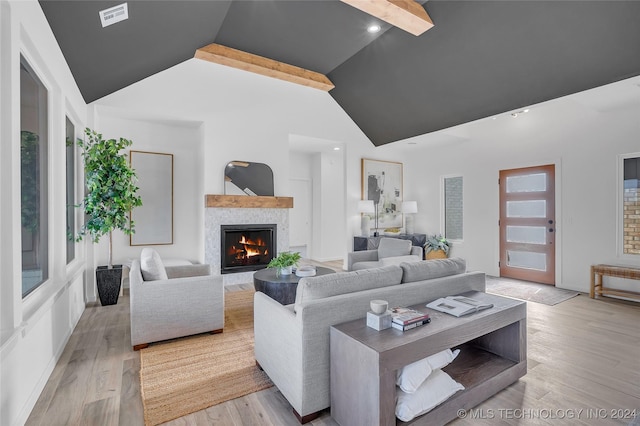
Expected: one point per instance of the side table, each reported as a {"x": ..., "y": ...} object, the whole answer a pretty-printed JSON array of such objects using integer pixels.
[{"x": 281, "y": 288}]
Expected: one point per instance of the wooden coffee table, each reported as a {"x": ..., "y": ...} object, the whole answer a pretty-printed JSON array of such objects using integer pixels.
[
  {"x": 281, "y": 288},
  {"x": 493, "y": 354}
]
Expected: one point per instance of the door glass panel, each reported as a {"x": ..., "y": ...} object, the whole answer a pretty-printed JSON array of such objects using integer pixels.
[
  {"x": 527, "y": 234},
  {"x": 527, "y": 183},
  {"x": 527, "y": 260},
  {"x": 529, "y": 208}
]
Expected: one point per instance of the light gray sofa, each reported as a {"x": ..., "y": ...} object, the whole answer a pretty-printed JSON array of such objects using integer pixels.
[
  {"x": 292, "y": 341},
  {"x": 391, "y": 251},
  {"x": 190, "y": 301}
]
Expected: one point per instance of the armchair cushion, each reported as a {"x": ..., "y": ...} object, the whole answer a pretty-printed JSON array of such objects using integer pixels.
[
  {"x": 430, "y": 269},
  {"x": 397, "y": 260},
  {"x": 392, "y": 247},
  {"x": 151, "y": 265},
  {"x": 191, "y": 270}
]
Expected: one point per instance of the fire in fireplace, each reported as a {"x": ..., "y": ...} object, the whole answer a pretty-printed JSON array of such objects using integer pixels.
[{"x": 246, "y": 247}]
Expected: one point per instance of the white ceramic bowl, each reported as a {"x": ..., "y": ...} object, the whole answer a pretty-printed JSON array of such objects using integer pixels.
[{"x": 379, "y": 306}]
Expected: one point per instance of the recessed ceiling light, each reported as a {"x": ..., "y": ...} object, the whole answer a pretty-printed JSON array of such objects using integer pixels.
[
  {"x": 526, "y": 110},
  {"x": 373, "y": 28},
  {"x": 337, "y": 148}
]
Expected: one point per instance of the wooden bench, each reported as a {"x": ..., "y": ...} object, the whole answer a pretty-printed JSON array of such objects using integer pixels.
[{"x": 599, "y": 271}]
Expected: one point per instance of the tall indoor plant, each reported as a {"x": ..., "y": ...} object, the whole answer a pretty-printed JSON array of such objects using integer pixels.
[{"x": 111, "y": 193}]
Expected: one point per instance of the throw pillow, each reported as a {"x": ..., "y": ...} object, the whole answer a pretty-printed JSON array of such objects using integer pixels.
[
  {"x": 390, "y": 247},
  {"x": 436, "y": 389},
  {"x": 431, "y": 269},
  {"x": 151, "y": 265},
  {"x": 411, "y": 376}
]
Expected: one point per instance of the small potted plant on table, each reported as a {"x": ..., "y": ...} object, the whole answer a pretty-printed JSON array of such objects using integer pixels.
[
  {"x": 285, "y": 262},
  {"x": 436, "y": 247}
]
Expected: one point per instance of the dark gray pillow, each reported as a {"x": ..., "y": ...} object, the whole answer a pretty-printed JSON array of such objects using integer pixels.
[{"x": 430, "y": 269}]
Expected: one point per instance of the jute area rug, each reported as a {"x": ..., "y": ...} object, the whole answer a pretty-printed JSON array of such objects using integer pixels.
[
  {"x": 186, "y": 375},
  {"x": 531, "y": 292}
]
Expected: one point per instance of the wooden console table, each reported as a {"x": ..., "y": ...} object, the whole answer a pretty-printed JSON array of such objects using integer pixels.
[
  {"x": 599, "y": 271},
  {"x": 493, "y": 354}
]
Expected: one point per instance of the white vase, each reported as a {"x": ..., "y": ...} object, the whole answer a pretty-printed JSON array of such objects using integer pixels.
[{"x": 287, "y": 270}]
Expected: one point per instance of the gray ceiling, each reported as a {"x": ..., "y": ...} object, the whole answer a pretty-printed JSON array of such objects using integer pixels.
[{"x": 481, "y": 58}]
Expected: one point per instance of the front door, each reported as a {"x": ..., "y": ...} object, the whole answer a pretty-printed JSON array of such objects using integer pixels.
[{"x": 527, "y": 224}]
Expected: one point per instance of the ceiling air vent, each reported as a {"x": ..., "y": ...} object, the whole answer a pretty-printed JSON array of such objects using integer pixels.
[{"x": 114, "y": 14}]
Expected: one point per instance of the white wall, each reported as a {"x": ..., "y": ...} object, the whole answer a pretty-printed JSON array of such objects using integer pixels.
[
  {"x": 581, "y": 135},
  {"x": 328, "y": 206},
  {"x": 34, "y": 330},
  {"x": 183, "y": 140},
  {"x": 250, "y": 117}
]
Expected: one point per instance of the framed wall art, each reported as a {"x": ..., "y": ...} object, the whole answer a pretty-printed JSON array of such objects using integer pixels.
[
  {"x": 154, "y": 219},
  {"x": 382, "y": 183}
]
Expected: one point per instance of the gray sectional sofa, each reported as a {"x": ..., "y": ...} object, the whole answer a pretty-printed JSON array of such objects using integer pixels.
[{"x": 292, "y": 341}]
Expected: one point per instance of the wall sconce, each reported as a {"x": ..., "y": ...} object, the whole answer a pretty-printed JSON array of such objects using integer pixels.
[
  {"x": 366, "y": 207},
  {"x": 409, "y": 208}
]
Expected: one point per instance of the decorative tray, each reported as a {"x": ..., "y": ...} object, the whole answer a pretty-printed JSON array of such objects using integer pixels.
[{"x": 306, "y": 271}]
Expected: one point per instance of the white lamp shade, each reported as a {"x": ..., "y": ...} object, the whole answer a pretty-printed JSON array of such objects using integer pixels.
[
  {"x": 366, "y": 206},
  {"x": 410, "y": 207}
]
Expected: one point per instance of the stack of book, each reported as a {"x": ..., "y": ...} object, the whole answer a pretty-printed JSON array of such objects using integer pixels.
[{"x": 405, "y": 318}]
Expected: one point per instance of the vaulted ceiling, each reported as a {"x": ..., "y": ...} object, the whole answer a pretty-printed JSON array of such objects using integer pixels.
[{"x": 480, "y": 59}]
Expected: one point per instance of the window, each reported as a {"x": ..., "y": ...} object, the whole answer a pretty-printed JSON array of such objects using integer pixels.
[
  {"x": 631, "y": 206},
  {"x": 453, "y": 208},
  {"x": 33, "y": 179},
  {"x": 71, "y": 189}
]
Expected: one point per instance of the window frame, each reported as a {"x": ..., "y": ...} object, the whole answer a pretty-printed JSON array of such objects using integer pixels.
[
  {"x": 620, "y": 209},
  {"x": 74, "y": 181},
  {"x": 443, "y": 207},
  {"x": 28, "y": 63}
]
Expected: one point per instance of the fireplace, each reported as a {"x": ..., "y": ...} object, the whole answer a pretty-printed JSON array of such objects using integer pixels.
[{"x": 246, "y": 247}]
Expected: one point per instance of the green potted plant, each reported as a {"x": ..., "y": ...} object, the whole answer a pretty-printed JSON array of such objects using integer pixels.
[
  {"x": 111, "y": 194},
  {"x": 436, "y": 247},
  {"x": 285, "y": 262}
]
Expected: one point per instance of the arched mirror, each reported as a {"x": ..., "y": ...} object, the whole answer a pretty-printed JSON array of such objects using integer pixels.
[{"x": 246, "y": 178}]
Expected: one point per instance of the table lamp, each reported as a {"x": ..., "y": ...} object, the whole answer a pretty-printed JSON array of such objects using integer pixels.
[
  {"x": 366, "y": 207},
  {"x": 409, "y": 208}
]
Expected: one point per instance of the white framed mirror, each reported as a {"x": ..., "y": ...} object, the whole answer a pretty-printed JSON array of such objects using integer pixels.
[{"x": 153, "y": 221}]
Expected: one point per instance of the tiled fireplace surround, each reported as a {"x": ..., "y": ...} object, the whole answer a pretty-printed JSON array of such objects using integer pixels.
[{"x": 242, "y": 210}]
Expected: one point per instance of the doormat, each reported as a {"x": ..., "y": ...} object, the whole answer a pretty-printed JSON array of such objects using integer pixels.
[
  {"x": 531, "y": 292},
  {"x": 186, "y": 375}
]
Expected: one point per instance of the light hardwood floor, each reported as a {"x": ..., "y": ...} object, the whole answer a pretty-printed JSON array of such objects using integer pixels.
[{"x": 583, "y": 354}]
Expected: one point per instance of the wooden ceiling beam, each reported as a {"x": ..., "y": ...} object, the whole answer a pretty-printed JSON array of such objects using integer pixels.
[
  {"x": 223, "y": 55},
  {"x": 408, "y": 15}
]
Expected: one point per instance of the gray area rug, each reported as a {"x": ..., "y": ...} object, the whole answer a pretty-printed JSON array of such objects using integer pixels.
[{"x": 531, "y": 292}]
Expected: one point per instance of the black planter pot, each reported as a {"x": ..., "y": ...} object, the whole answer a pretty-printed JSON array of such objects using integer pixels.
[{"x": 109, "y": 282}]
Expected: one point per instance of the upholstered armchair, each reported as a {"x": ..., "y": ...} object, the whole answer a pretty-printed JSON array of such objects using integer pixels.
[
  {"x": 171, "y": 302},
  {"x": 391, "y": 251}
]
